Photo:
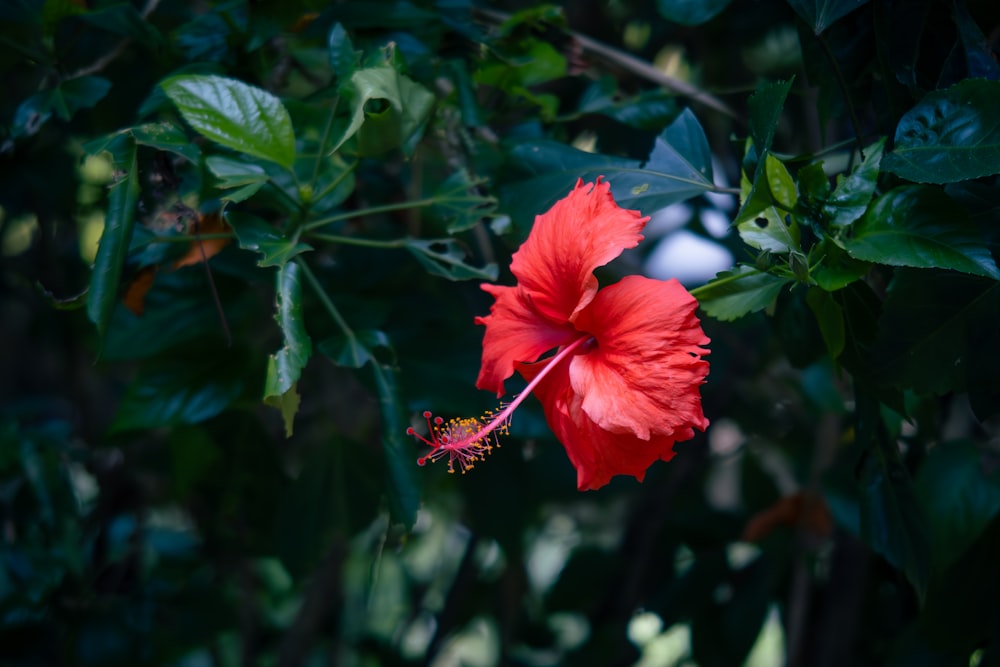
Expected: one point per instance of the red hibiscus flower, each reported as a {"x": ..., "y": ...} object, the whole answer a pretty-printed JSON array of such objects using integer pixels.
[{"x": 623, "y": 385}]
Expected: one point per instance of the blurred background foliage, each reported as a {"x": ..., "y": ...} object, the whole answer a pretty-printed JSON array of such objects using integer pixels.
[{"x": 241, "y": 249}]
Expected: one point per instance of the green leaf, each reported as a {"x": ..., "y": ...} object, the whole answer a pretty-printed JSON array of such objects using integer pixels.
[
  {"x": 457, "y": 201},
  {"x": 648, "y": 110},
  {"x": 287, "y": 403},
  {"x": 862, "y": 308},
  {"x": 765, "y": 226},
  {"x": 520, "y": 67},
  {"x": 690, "y": 12},
  {"x": 950, "y": 135},
  {"x": 960, "y": 493},
  {"x": 772, "y": 230},
  {"x": 813, "y": 184},
  {"x": 682, "y": 152},
  {"x": 285, "y": 366},
  {"x": 920, "y": 227},
  {"x": 851, "y": 196},
  {"x": 76, "y": 94},
  {"x": 836, "y": 269},
  {"x": 405, "y": 107},
  {"x": 161, "y": 136},
  {"x": 829, "y": 317},
  {"x": 233, "y": 173},
  {"x": 820, "y": 14},
  {"x": 186, "y": 389},
  {"x": 253, "y": 233},
  {"x": 739, "y": 291},
  {"x": 177, "y": 311},
  {"x": 755, "y": 192},
  {"x": 117, "y": 234},
  {"x": 343, "y": 58},
  {"x": 166, "y": 137},
  {"x": 355, "y": 350},
  {"x": 123, "y": 19},
  {"x": 765, "y": 111},
  {"x": 983, "y": 358},
  {"x": 65, "y": 100},
  {"x": 446, "y": 258},
  {"x": 404, "y": 496},
  {"x": 923, "y": 332},
  {"x": 980, "y": 61},
  {"x": 234, "y": 114},
  {"x": 892, "y": 522},
  {"x": 780, "y": 182},
  {"x": 678, "y": 168}
]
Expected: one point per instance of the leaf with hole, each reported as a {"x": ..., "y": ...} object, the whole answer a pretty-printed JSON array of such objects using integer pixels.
[
  {"x": 950, "y": 135},
  {"x": 387, "y": 110},
  {"x": 446, "y": 258}
]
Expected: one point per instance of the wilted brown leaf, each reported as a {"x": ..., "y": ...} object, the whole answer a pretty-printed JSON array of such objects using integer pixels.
[
  {"x": 204, "y": 249},
  {"x": 135, "y": 293},
  {"x": 799, "y": 509}
]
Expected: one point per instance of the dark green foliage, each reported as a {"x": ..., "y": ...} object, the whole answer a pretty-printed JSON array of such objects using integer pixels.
[{"x": 220, "y": 221}]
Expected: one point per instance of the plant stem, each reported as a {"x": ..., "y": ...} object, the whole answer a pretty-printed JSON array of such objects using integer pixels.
[
  {"x": 630, "y": 63},
  {"x": 386, "y": 208},
  {"x": 322, "y": 142},
  {"x": 187, "y": 238},
  {"x": 336, "y": 182},
  {"x": 352, "y": 240},
  {"x": 325, "y": 299},
  {"x": 842, "y": 84}
]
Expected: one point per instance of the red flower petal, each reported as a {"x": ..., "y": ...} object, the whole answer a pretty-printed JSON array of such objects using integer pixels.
[
  {"x": 643, "y": 378},
  {"x": 515, "y": 331},
  {"x": 597, "y": 454},
  {"x": 584, "y": 230}
]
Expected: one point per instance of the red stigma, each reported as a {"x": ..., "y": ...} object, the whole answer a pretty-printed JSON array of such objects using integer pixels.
[{"x": 462, "y": 440}]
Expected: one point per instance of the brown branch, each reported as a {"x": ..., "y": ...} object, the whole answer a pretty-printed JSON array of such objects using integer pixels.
[
  {"x": 632, "y": 582},
  {"x": 114, "y": 53},
  {"x": 632, "y": 64},
  {"x": 802, "y": 587},
  {"x": 324, "y": 594},
  {"x": 449, "y": 617}
]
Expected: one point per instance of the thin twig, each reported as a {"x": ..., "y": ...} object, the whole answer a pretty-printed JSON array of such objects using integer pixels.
[
  {"x": 457, "y": 593},
  {"x": 323, "y": 599},
  {"x": 842, "y": 84},
  {"x": 114, "y": 53},
  {"x": 211, "y": 285},
  {"x": 800, "y": 595},
  {"x": 632, "y": 64}
]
